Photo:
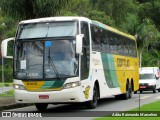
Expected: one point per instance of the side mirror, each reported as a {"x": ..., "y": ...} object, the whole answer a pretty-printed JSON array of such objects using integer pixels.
[
  {"x": 4, "y": 47},
  {"x": 79, "y": 39}
]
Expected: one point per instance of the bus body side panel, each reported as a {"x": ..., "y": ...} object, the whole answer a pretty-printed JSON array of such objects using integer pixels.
[
  {"x": 112, "y": 72},
  {"x": 103, "y": 70},
  {"x": 126, "y": 69}
]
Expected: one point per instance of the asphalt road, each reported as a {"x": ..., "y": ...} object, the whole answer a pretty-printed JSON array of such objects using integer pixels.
[{"x": 104, "y": 106}]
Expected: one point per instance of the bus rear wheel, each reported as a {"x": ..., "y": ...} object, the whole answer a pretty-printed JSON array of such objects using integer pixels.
[
  {"x": 93, "y": 103},
  {"x": 128, "y": 93},
  {"x": 41, "y": 106}
]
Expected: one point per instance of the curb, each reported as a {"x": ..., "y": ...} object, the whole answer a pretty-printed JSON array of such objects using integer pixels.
[{"x": 14, "y": 106}]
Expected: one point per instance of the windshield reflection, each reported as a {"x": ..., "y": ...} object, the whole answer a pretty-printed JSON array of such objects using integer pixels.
[
  {"x": 35, "y": 59},
  {"x": 60, "y": 54}
]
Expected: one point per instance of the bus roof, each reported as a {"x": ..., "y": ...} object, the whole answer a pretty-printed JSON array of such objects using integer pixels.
[
  {"x": 112, "y": 29},
  {"x": 65, "y": 18},
  {"x": 60, "y": 18}
]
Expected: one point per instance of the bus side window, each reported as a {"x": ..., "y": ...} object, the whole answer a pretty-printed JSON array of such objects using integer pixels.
[
  {"x": 125, "y": 47},
  {"x": 115, "y": 48},
  {"x": 85, "y": 58},
  {"x": 105, "y": 43},
  {"x": 96, "y": 38},
  {"x": 120, "y": 46},
  {"x": 130, "y": 48},
  {"x": 112, "y": 43}
]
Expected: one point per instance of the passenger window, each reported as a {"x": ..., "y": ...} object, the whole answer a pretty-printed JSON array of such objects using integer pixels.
[
  {"x": 120, "y": 45},
  {"x": 96, "y": 38},
  {"x": 105, "y": 43},
  {"x": 125, "y": 47}
]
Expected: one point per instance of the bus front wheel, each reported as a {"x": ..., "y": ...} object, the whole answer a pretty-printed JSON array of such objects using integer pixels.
[
  {"x": 93, "y": 103},
  {"x": 41, "y": 106}
]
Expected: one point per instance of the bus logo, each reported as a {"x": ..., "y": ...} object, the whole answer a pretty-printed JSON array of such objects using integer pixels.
[
  {"x": 32, "y": 83},
  {"x": 86, "y": 92}
]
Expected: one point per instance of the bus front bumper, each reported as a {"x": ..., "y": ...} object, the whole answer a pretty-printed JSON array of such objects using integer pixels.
[{"x": 71, "y": 95}]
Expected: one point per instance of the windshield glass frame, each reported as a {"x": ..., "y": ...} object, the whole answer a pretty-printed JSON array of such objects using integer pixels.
[
  {"x": 19, "y": 29},
  {"x": 26, "y": 77}
]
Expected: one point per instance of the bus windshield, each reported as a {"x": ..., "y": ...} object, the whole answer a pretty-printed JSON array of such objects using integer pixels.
[
  {"x": 45, "y": 59},
  {"x": 50, "y": 29},
  {"x": 147, "y": 76}
]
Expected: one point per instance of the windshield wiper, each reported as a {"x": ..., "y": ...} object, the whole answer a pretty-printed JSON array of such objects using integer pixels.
[{"x": 54, "y": 67}]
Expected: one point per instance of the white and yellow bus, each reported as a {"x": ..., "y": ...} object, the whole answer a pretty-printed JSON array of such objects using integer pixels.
[{"x": 72, "y": 60}]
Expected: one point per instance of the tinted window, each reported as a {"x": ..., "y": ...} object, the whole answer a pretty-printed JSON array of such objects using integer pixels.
[
  {"x": 105, "y": 43},
  {"x": 86, "y": 51},
  {"x": 96, "y": 38},
  {"x": 110, "y": 42}
]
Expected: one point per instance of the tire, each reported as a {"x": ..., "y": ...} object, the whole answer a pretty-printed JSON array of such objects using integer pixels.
[
  {"x": 159, "y": 90},
  {"x": 130, "y": 91},
  {"x": 141, "y": 91},
  {"x": 135, "y": 92},
  {"x": 41, "y": 106},
  {"x": 127, "y": 95},
  {"x": 93, "y": 103},
  {"x": 154, "y": 90}
]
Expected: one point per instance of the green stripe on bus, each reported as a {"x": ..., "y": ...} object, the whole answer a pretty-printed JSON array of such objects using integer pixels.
[
  {"x": 58, "y": 83},
  {"x": 53, "y": 84},
  {"x": 109, "y": 70}
]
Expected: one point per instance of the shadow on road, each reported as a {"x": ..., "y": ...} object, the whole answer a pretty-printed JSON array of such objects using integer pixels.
[
  {"x": 70, "y": 108},
  {"x": 147, "y": 92}
]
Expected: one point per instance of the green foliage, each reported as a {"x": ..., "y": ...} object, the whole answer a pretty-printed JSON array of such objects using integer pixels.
[
  {"x": 85, "y": 9},
  {"x": 8, "y": 71},
  {"x": 6, "y": 85},
  {"x": 7, "y": 27},
  {"x": 7, "y": 94},
  {"x": 27, "y": 9},
  {"x": 116, "y": 9},
  {"x": 131, "y": 24},
  {"x": 147, "y": 34}
]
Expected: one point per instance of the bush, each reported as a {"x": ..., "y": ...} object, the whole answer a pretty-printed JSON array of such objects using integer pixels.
[
  {"x": 6, "y": 84},
  {"x": 8, "y": 71}
]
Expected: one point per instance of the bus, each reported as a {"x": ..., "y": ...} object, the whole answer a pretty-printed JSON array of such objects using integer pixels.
[{"x": 72, "y": 60}]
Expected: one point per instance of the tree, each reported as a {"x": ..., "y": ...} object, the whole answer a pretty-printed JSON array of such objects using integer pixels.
[
  {"x": 147, "y": 34},
  {"x": 84, "y": 8},
  {"x": 131, "y": 24},
  {"x": 155, "y": 57},
  {"x": 116, "y": 9},
  {"x": 28, "y": 9}
]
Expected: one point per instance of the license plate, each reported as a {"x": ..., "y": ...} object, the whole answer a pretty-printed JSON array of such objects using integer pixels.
[
  {"x": 43, "y": 96},
  {"x": 142, "y": 86}
]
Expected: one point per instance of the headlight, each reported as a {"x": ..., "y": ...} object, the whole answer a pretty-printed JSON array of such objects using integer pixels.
[
  {"x": 19, "y": 87},
  {"x": 151, "y": 84},
  {"x": 71, "y": 85}
]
